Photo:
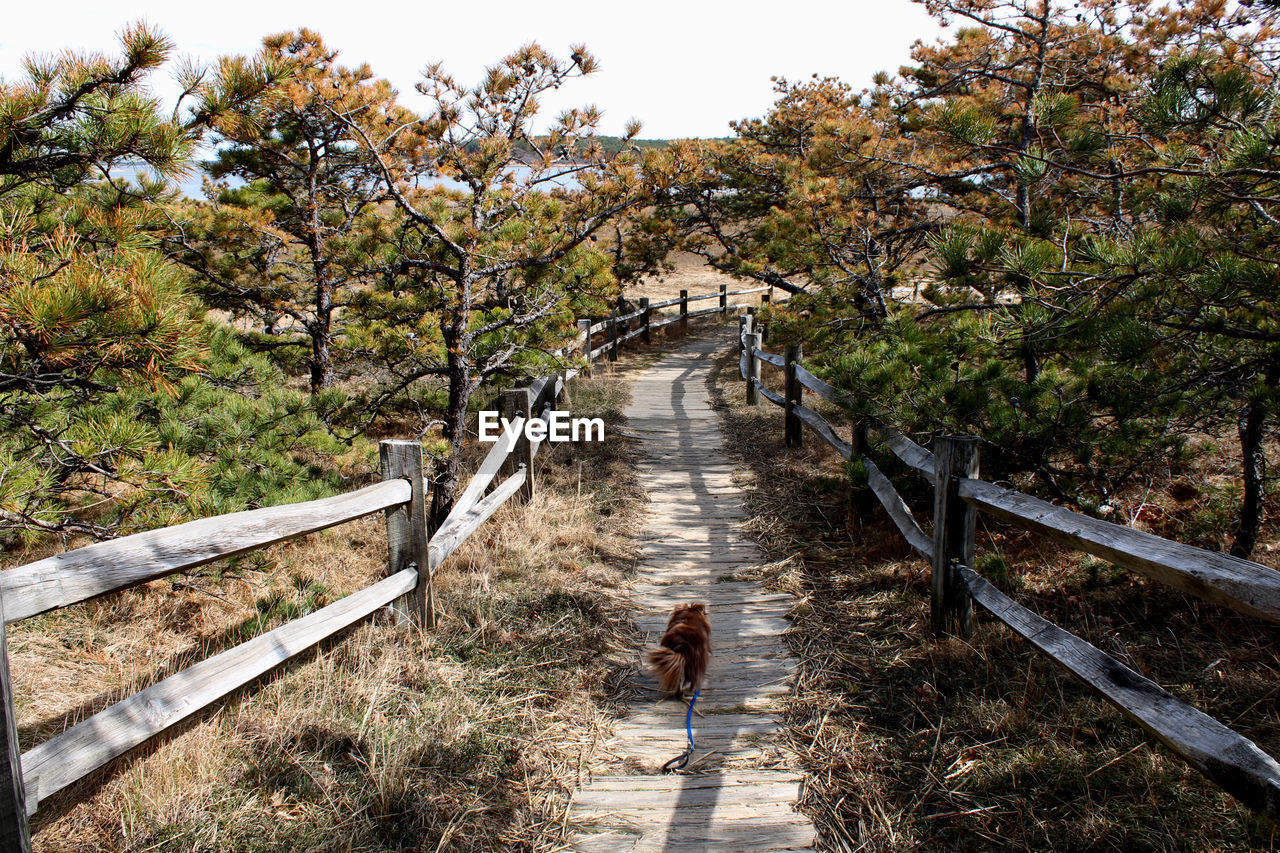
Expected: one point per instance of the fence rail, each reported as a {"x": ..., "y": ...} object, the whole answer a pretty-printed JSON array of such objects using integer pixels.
[
  {"x": 413, "y": 558},
  {"x": 1227, "y": 758}
]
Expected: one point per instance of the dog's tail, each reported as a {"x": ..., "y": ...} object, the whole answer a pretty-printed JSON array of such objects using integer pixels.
[{"x": 668, "y": 665}]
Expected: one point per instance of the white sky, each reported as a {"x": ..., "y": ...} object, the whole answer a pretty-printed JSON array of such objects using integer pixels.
[{"x": 683, "y": 68}]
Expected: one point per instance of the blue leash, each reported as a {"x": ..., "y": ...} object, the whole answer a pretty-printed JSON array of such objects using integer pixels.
[{"x": 682, "y": 759}]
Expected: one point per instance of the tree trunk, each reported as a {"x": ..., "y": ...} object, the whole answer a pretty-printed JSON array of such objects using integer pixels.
[
  {"x": 444, "y": 485},
  {"x": 1253, "y": 464},
  {"x": 321, "y": 358}
]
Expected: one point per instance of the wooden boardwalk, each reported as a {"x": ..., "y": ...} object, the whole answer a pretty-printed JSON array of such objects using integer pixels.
[{"x": 740, "y": 787}]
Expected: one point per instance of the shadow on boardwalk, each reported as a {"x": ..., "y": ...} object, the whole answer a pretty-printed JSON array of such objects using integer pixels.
[{"x": 739, "y": 790}]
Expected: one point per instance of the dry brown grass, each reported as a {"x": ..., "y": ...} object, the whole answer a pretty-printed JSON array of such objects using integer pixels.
[
  {"x": 979, "y": 745},
  {"x": 468, "y": 738},
  {"x": 691, "y": 273}
]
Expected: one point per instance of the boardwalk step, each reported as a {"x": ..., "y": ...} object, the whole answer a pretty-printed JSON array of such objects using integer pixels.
[{"x": 741, "y": 787}]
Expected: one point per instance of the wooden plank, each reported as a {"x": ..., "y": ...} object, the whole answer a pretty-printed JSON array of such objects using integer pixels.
[
  {"x": 907, "y": 450},
  {"x": 15, "y": 835},
  {"x": 898, "y": 510},
  {"x": 486, "y": 472},
  {"x": 689, "y": 796},
  {"x": 674, "y": 318},
  {"x": 452, "y": 534},
  {"x": 628, "y": 317},
  {"x": 776, "y": 399},
  {"x": 1242, "y": 585},
  {"x": 545, "y": 417},
  {"x": 518, "y": 403},
  {"x": 747, "y": 291},
  {"x": 64, "y": 758},
  {"x": 635, "y": 333},
  {"x": 104, "y": 567},
  {"x": 407, "y": 529},
  {"x": 1232, "y": 761},
  {"x": 819, "y": 425},
  {"x": 830, "y": 393},
  {"x": 770, "y": 358}
]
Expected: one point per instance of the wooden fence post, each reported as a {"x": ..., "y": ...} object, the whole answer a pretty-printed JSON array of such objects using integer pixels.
[
  {"x": 954, "y": 524},
  {"x": 644, "y": 318},
  {"x": 15, "y": 835},
  {"x": 767, "y": 296},
  {"x": 724, "y": 301},
  {"x": 407, "y": 529},
  {"x": 613, "y": 335},
  {"x": 794, "y": 427},
  {"x": 518, "y": 403},
  {"x": 684, "y": 312},
  {"x": 753, "y": 369}
]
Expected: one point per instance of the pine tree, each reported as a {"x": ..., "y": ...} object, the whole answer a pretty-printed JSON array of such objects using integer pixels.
[
  {"x": 286, "y": 242},
  {"x": 88, "y": 306},
  {"x": 491, "y": 248}
]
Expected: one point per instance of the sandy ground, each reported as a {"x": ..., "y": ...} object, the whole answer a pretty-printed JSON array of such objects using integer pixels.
[{"x": 691, "y": 273}]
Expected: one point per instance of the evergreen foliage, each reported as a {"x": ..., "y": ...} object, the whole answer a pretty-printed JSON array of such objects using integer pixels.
[{"x": 1056, "y": 229}]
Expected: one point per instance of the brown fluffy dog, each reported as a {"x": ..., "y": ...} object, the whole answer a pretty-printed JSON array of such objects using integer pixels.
[{"x": 682, "y": 654}]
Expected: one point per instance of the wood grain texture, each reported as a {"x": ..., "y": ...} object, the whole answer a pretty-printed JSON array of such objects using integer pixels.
[
  {"x": 824, "y": 430},
  {"x": 1242, "y": 585},
  {"x": 830, "y": 393},
  {"x": 635, "y": 333},
  {"x": 898, "y": 510},
  {"x": 907, "y": 450},
  {"x": 772, "y": 397},
  {"x": 103, "y": 567},
  {"x": 1230, "y": 760},
  {"x": 740, "y": 789},
  {"x": 770, "y": 358},
  {"x": 66, "y": 757},
  {"x": 484, "y": 475},
  {"x": 407, "y": 529},
  {"x": 15, "y": 835},
  {"x": 456, "y": 529},
  {"x": 954, "y": 526},
  {"x": 705, "y": 311},
  {"x": 518, "y": 403},
  {"x": 625, "y": 318}
]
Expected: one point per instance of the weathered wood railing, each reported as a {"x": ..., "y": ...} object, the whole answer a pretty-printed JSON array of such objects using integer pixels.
[
  {"x": 1227, "y": 758},
  {"x": 618, "y": 328},
  {"x": 414, "y": 554},
  {"x": 85, "y": 573}
]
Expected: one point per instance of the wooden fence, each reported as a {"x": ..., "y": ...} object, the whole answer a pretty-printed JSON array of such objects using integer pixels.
[
  {"x": 413, "y": 555},
  {"x": 1230, "y": 760},
  {"x": 643, "y": 321}
]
